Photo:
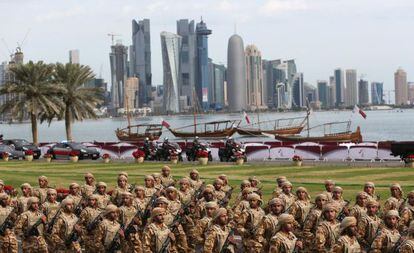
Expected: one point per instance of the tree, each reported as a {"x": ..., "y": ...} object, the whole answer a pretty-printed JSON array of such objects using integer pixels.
[
  {"x": 79, "y": 102},
  {"x": 31, "y": 93}
]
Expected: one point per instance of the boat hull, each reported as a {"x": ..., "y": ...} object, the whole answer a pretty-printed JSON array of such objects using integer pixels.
[
  {"x": 216, "y": 134},
  {"x": 139, "y": 132},
  {"x": 354, "y": 137},
  {"x": 258, "y": 132}
]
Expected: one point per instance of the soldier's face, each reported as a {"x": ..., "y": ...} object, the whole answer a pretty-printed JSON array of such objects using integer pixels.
[
  {"x": 184, "y": 186},
  {"x": 321, "y": 202},
  {"x": 69, "y": 207},
  {"x": 51, "y": 197},
  {"x": 243, "y": 186},
  {"x": 253, "y": 183},
  {"x": 369, "y": 190},
  {"x": 362, "y": 200},
  {"x": 353, "y": 230},
  {"x": 254, "y": 203},
  {"x": 165, "y": 172},
  {"x": 395, "y": 191},
  {"x": 208, "y": 196},
  {"x": 74, "y": 190},
  {"x": 336, "y": 194},
  {"x": 329, "y": 187},
  {"x": 372, "y": 209},
  {"x": 89, "y": 180},
  {"x": 411, "y": 199},
  {"x": 224, "y": 179},
  {"x": 113, "y": 215},
  {"x": 159, "y": 218},
  {"x": 217, "y": 186},
  {"x": 42, "y": 183},
  {"x": 287, "y": 189},
  {"x": 35, "y": 206},
  {"x": 223, "y": 219},
  {"x": 122, "y": 182},
  {"x": 139, "y": 193},
  {"x": 210, "y": 211},
  {"x": 149, "y": 182},
  {"x": 26, "y": 191},
  {"x": 162, "y": 205},
  {"x": 330, "y": 215},
  {"x": 193, "y": 176},
  {"x": 301, "y": 195},
  {"x": 276, "y": 208},
  {"x": 127, "y": 200},
  {"x": 288, "y": 227},
  {"x": 171, "y": 195},
  {"x": 391, "y": 221},
  {"x": 92, "y": 202}
]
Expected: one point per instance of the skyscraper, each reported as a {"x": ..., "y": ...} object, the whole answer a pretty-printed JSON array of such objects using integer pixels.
[
  {"x": 170, "y": 46},
  {"x": 188, "y": 58},
  {"x": 351, "y": 87},
  {"x": 131, "y": 93},
  {"x": 74, "y": 56},
  {"x": 339, "y": 87},
  {"x": 411, "y": 93},
  {"x": 363, "y": 92},
  {"x": 323, "y": 93},
  {"x": 401, "y": 88},
  {"x": 332, "y": 91},
  {"x": 298, "y": 91},
  {"x": 202, "y": 84},
  {"x": 140, "y": 59},
  {"x": 118, "y": 59},
  {"x": 254, "y": 78},
  {"x": 377, "y": 93},
  {"x": 236, "y": 75}
]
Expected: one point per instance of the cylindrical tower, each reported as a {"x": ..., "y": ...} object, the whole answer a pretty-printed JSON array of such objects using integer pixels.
[{"x": 236, "y": 75}]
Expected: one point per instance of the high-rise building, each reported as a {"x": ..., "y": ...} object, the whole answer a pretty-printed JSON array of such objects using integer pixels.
[
  {"x": 363, "y": 92},
  {"x": 309, "y": 92},
  {"x": 411, "y": 92},
  {"x": 254, "y": 78},
  {"x": 332, "y": 92},
  {"x": 323, "y": 93},
  {"x": 74, "y": 56},
  {"x": 217, "y": 79},
  {"x": 298, "y": 91},
  {"x": 202, "y": 83},
  {"x": 339, "y": 87},
  {"x": 170, "y": 46},
  {"x": 131, "y": 93},
  {"x": 274, "y": 73},
  {"x": 119, "y": 60},
  {"x": 188, "y": 58},
  {"x": 140, "y": 59},
  {"x": 377, "y": 93},
  {"x": 351, "y": 96},
  {"x": 401, "y": 88},
  {"x": 236, "y": 75}
]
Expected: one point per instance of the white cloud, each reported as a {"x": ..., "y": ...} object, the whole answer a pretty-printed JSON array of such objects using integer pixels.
[
  {"x": 271, "y": 7},
  {"x": 60, "y": 14}
]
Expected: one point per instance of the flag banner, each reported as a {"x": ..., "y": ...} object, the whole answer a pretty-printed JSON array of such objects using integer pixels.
[
  {"x": 246, "y": 117},
  {"x": 165, "y": 124},
  {"x": 360, "y": 111}
]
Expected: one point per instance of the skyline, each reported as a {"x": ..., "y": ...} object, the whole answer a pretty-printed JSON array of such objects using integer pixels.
[{"x": 380, "y": 31}]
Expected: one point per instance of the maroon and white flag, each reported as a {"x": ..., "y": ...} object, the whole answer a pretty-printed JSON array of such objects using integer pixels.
[
  {"x": 360, "y": 111},
  {"x": 246, "y": 117}
]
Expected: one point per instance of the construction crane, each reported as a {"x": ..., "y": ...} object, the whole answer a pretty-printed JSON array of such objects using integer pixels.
[{"x": 113, "y": 35}]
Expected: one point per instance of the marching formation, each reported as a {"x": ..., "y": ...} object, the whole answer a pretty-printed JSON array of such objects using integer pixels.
[{"x": 164, "y": 215}]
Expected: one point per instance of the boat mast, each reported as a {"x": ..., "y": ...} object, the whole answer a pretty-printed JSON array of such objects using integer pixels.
[
  {"x": 128, "y": 115},
  {"x": 307, "y": 115},
  {"x": 195, "y": 112},
  {"x": 258, "y": 119}
]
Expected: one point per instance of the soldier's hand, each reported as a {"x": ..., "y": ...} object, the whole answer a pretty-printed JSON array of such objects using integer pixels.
[
  {"x": 77, "y": 228},
  {"x": 299, "y": 244},
  {"x": 43, "y": 218},
  {"x": 121, "y": 233},
  {"x": 172, "y": 236},
  {"x": 137, "y": 221}
]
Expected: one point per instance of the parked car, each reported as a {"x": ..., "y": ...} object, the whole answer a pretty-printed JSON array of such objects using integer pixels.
[
  {"x": 23, "y": 145},
  {"x": 13, "y": 154},
  {"x": 65, "y": 149}
]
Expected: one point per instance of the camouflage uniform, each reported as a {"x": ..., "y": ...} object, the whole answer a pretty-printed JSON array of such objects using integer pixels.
[
  {"x": 309, "y": 227},
  {"x": 103, "y": 200},
  {"x": 50, "y": 209},
  {"x": 133, "y": 243},
  {"x": 195, "y": 183},
  {"x": 407, "y": 246},
  {"x": 358, "y": 211},
  {"x": 283, "y": 242},
  {"x": 22, "y": 204},
  {"x": 167, "y": 181},
  {"x": 186, "y": 196},
  {"x": 8, "y": 240},
  {"x": 87, "y": 216},
  {"x": 327, "y": 232},
  {"x": 289, "y": 198},
  {"x": 386, "y": 238},
  {"x": 217, "y": 234},
  {"x": 300, "y": 210},
  {"x": 106, "y": 232},
  {"x": 267, "y": 229},
  {"x": 62, "y": 231},
  {"x": 407, "y": 213},
  {"x": 347, "y": 244},
  {"x": 368, "y": 227},
  {"x": 116, "y": 197},
  {"x": 41, "y": 194},
  {"x": 87, "y": 190}
]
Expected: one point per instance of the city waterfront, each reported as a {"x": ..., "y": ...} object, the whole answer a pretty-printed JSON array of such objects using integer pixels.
[{"x": 379, "y": 125}]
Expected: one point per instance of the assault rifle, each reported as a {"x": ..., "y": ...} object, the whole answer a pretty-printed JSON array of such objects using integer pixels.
[
  {"x": 79, "y": 207},
  {"x": 130, "y": 228},
  {"x": 200, "y": 190},
  {"x": 8, "y": 223},
  {"x": 173, "y": 227},
  {"x": 33, "y": 231},
  {"x": 53, "y": 221},
  {"x": 148, "y": 208},
  {"x": 225, "y": 248},
  {"x": 342, "y": 213},
  {"x": 225, "y": 201},
  {"x": 397, "y": 245},
  {"x": 93, "y": 224},
  {"x": 73, "y": 237},
  {"x": 115, "y": 244}
]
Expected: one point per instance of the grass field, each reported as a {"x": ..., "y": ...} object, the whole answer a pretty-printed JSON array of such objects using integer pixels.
[{"x": 62, "y": 173}]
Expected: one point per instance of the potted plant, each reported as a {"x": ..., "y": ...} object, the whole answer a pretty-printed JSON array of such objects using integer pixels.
[
  {"x": 5, "y": 156},
  {"x": 74, "y": 156},
  {"x": 139, "y": 155},
  {"x": 240, "y": 158},
  {"x": 297, "y": 160},
  {"x": 202, "y": 156},
  {"x": 409, "y": 161},
  {"x": 28, "y": 155},
  {"x": 106, "y": 158},
  {"x": 48, "y": 157},
  {"x": 174, "y": 159}
]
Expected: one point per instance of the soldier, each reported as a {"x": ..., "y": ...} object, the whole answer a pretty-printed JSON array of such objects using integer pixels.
[
  {"x": 347, "y": 242},
  {"x": 174, "y": 204},
  {"x": 407, "y": 213},
  {"x": 279, "y": 180},
  {"x": 255, "y": 182},
  {"x": 88, "y": 220},
  {"x": 51, "y": 206},
  {"x": 41, "y": 191},
  {"x": 359, "y": 208},
  {"x": 129, "y": 219},
  {"x": 89, "y": 187},
  {"x": 219, "y": 236},
  {"x": 396, "y": 200},
  {"x": 249, "y": 222},
  {"x": 157, "y": 234},
  {"x": 103, "y": 198},
  {"x": 368, "y": 225},
  {"x": 269, "y": 224},
  {"x": 226, "y": 187},
  {"x": 195, "y": 180},
  {"x": 166, "y": 178},
  {"x": 300, "y": 210},
  {"x": 329, "y": 187},
  {"x": 312, "y": 221},
  {"x": 285, "y": 240},
  {"x": 287, "y": 194},
  {"x": 109, "y": 233},
  {"x": 387, "y": 237},
  {"x": 30, "y": 227},
  {"x": 327, "y": 232},
  {"x": 66, "y": 231},
  {"x": 121, "y": 187},
  {"x": 408, "y": 245},
  {"x": 338, "y": 200},
  {"x": 203, "y": 224},
  {"x": 8, "y": 240},
  {"x": 163, "y": 202},
  {"x": 369, "y": 188},
  {"x": 218, "y": 189},
  {"x": 243, "y": 185},
  {"x": 185, "y": 192},
  {"x": 243, "y": 203},
  {"x": 74, "y": 193},
  {"x": 22, "y": 201},
  {"x": 150, "y": 189},
  {"x": 157, "y": 181},
  {"x": 140, "y": 202}
]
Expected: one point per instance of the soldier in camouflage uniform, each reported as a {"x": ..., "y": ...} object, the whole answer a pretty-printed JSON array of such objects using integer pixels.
[
  {"x": 74, "y": 193},
  {"x": 166, "y": 178},
  {"x": 185, "y": 192},
  {"x": 396, "y": 200},
  {"x": 226, "y": 187},
  {"x": 30, "y": 227},
  {"x": 368, "y": 225},
  {"x": 387, "y": 237},
  {"x": 285, "y": 241},
  {"x": 195, "y": 180},
  {"x": 127, "y": 218},
  {"x": 329, "y": 187},
  {"x": 150, "y": 189},
  {"x": 312, "y": 221},
  {"x": 157, "y": 181},
  {"x": 218, "y": 189},
  {"x": 140, "y": 202},
  {"x": 243, "y": 204},
  {"x": 218, "y": 234},
  {"x": 121, "y": 188},
  {"x": 249, "y": 222},
  {"x": 254, "y": 182},
  {"x": 51, "y": 206},
  {"x": 89, "y": 187},
  {"x": 369, "y": 188},
  {"x": 41, "y": 191},
  {"x": 300, "y": 210},
  {"x": 22, "y": 201},
  {"x": 287, "y": 194},
  {"x": 279, "y": 180},
  {"x": 88, "y": 216},
  {"x": 203, "y": 224},
  {"x": 8, "y": 240},
  {"x": 359, "y": 208},
  {"x": 268, "y": 226},
  {"x": 407, "y": 212},
  {"x": 109, "y": 231},
  {"x": 327, "y": 232},
  {"x": 339, "y": 202},
  {"x": 243, "y": 185},
  {"x": 208, "y": 196},
  {"x": 103, "y": 198},
  {"x": 347, "y": 242},
  {"x": 408, "y": 245},
  {"x": 66, "y": 232}
]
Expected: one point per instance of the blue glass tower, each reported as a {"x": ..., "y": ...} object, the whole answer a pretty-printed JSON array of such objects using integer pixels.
[{"x": 202, "y": 81}]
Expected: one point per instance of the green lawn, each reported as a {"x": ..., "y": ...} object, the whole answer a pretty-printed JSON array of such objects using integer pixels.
[{"x": 62, "y": 173}]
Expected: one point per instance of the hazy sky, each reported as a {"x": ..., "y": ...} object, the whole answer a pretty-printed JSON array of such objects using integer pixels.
[{"x": 373, "y": 36}]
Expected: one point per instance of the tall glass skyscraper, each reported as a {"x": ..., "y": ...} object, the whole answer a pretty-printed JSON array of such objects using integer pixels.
[
  {"x": 170, "y": 46},
  {"x": 202, "y": 83},
  {"x": 119, "y": 60},
  {"x": 377, "y": 93},
  {"x": 339, "y": 87},
  {"x": 323, "y": 93}
]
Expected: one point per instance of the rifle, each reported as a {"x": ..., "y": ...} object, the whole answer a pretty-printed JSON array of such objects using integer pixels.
[
  {"x": 53, "y": 221},
  {"x": 173, "y": 227},
  {"x": 148, "y": 208},
  {"x": 200, "y": 190},
  {"x": 397, "y": 245},
  {"x": 32, "y": 231},
  {"x": 79, "y": 207},
  {"x": 227, "y": 243},
  {"x": 115, "y": 244},
  {"x": 8, "y": 223},
  {"x": 130, "y": 228},
  {"x": 93, "y": 224},
  {"x": 225, "y": 201},
  {"x": 73, "y": 237},
  {"x": 342, "y": 214}
]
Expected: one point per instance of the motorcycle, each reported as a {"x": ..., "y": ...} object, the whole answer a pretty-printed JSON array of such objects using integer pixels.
[
  {"x": 231, "y": 154},
  {"x": 166, "y": 150},
  {"x": 191, "y": 153},
  {"x": 150, "y": 151}
]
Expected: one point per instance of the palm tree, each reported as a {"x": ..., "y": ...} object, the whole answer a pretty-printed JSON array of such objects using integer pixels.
[
  {"x": 79, "y": 101},
  {"x": 31, "y": 93}
]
